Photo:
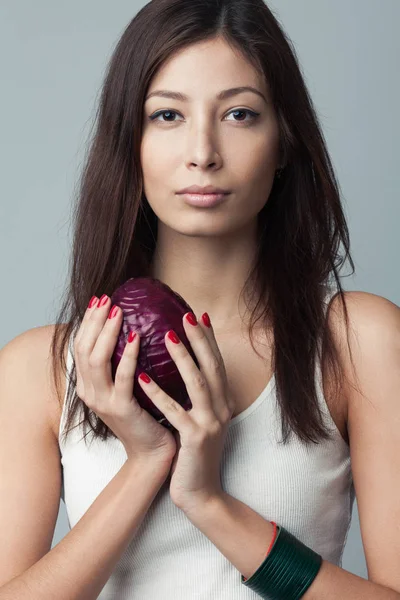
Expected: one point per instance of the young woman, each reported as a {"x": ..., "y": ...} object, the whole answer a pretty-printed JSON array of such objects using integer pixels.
[{"x": 296, "y": 401}]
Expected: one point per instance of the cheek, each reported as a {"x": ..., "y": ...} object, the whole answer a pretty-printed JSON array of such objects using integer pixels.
[
  {"x": 255, "y": 169},
  {"x": 258, "y": 153},
  {"x": 254, "y": 174},
  {"x": 157, "y": 163}
]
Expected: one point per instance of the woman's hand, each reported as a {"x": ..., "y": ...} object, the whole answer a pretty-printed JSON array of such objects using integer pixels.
[
  {"x": 195, "y": 472},
  {"x": 142, "y": 436}
]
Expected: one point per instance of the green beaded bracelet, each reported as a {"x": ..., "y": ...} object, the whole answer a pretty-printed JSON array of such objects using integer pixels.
[{"x": 288, "y": 570}]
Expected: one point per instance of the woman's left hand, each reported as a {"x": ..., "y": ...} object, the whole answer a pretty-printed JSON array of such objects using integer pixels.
[{"x": 195, "y": 471}]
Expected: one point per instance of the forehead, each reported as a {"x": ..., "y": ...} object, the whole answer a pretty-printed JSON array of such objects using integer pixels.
[{"x": 210, "y": 65}]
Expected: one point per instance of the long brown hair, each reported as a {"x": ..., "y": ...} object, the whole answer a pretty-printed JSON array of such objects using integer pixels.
[{"x": 301, "y": 225}]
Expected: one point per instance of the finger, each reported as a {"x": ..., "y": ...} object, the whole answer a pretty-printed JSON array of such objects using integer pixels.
[
  {"x": 88, "y": 339},
  {"x": 207, "y": 353},
  {"x": 194, "y": 379},
  {"x": 212, "y": 365},
  {"x": 90, "y": 308},
  {"x": 106, "y": 327},
  {"x": 172, "y": 410},
  {"x": 125, "y": 373},
  {"x": 209, "y": 333}
]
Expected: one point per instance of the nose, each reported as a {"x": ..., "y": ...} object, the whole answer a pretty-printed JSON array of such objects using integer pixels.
[{"x": 202, "y": 148}]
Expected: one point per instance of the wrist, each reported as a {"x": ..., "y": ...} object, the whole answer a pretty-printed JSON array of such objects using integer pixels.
[{"x": 155, "y": 467}]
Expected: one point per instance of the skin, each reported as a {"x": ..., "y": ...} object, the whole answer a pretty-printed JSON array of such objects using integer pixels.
[{"x": 206, "y": 254}]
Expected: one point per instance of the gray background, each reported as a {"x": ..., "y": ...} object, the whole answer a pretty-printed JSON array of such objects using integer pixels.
[{"x": 53, "y": 57}]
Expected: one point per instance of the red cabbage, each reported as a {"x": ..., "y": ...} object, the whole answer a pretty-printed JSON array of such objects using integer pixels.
[{"x": 151, "y": 308}]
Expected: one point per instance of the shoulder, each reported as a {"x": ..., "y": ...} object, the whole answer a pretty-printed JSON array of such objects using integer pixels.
[
  {"x": 30, "y": 355},
  {"x": 370, "y": 344},
  {"x": 372, "y": 319},
  {"x": 364, "y": 305}
]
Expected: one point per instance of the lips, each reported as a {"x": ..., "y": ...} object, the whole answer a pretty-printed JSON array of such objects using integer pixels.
[
  {"x": 204, "y": 200},
  {"x": 208, "y": 189}
]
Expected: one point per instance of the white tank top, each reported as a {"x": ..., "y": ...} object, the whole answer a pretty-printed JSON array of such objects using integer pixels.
[{"x": 307, "y": 489}]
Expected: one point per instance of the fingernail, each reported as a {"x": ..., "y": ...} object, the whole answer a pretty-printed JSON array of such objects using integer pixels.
[
  {"x": 144, "y": 377},
  {"x": 131, "y": 336},
  {"x": 191, "y": 318},
  {"x": 93, "y": 301},
  {"x": 103, "y": 300},
  {"x": 173, "y": 337},
  {"x": 206, "y": 320},
  {"x": 113, "y": 312}
]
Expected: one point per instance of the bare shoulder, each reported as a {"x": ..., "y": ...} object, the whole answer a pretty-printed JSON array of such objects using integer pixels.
[
  {"x": 32, "y": 350},
  {"x": 374, "y": 327},
  {"x": 365, "y": 303},
  {"x": 369, "y": 315}
]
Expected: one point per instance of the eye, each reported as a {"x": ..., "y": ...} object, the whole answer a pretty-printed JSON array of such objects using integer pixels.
[
  {"x": 253, "y": 115},
  {"x": 170, "y": 113},
  {"x": 155, "y": 116}
]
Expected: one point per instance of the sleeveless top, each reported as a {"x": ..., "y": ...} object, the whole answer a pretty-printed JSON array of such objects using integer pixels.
[{"x": 308, "y": 489}]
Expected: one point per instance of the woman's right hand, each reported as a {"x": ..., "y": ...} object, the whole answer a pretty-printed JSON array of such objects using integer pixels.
[{"x": 142, "y": 436}]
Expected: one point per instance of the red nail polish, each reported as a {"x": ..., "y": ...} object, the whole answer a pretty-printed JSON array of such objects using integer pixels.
[
  {"x": 173, "y": 337},
  {"x": 144, "y": 377},
  {"x": 131, "y": 336},
  {"x": 191, "y": 318},
  {"x": 102, "y": 300},
  {"x": 206, "y": 320},
  {"x": 113, "y": 312},
  {"x": 93, "y": 301}
]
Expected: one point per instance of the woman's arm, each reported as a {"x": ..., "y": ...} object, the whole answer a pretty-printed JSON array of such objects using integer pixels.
[
  {"x": 30, "y": 480},
  {"x": 80, "y": 564},
  {"x": 243, "y": 536}
]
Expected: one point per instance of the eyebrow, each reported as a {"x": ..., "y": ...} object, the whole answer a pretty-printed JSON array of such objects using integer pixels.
[{"x": 223, "y": 95}]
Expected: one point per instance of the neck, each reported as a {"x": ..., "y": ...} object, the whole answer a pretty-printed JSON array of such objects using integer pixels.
[{"x": 208, "y": 272}]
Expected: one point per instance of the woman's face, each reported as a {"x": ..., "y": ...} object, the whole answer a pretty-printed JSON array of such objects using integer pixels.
[{"x": 208, "y": 141}]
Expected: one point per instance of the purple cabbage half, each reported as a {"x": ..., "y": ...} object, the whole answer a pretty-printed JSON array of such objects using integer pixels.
[{"x": 151, "y": 308}]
